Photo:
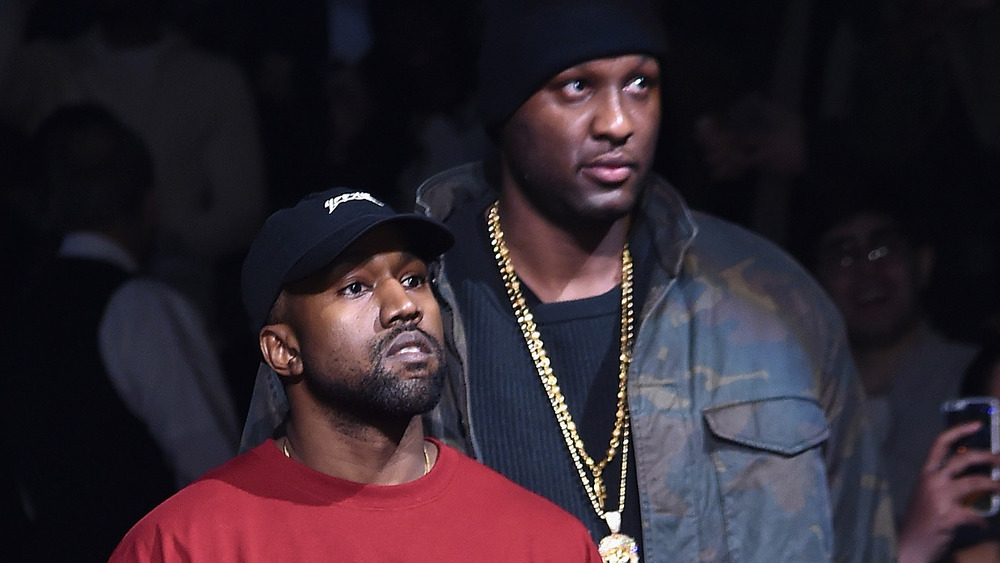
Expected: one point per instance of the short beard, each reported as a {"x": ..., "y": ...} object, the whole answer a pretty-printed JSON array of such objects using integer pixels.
[{"x": 381, "y": 396}]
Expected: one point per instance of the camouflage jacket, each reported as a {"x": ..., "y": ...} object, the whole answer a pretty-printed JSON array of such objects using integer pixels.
[{"x": 746, "y": 409}]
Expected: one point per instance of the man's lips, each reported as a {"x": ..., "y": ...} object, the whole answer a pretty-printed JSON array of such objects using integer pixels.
[
  {"x": 410, "y": 346},
  {"x": 609, "y": 169}
]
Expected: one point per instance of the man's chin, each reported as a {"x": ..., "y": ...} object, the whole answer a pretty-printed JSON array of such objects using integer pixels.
[
  {"x": 877, "y": 338},
  {"x": 414, "y": 395}
]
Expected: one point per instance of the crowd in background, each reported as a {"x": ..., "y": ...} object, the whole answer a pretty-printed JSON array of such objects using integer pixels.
[{"x": 763, "y": 102}]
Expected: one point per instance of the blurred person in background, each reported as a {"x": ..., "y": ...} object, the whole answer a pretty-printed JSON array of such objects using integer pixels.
[
  {"x": 193, "y": 109},
  {"x": 123, "y": 400},
  {"x": 875, "y": 257}
]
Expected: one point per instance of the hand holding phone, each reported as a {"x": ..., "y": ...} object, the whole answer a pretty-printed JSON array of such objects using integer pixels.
[
  {"x": 986, "y": 411},
  {"x": 947, "y": 495}
]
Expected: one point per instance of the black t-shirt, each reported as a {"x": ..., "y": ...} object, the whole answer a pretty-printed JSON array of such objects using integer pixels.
[{"x": 512, "y": 418}]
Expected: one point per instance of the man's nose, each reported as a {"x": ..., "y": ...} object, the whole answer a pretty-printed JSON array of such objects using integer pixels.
[
  {"x": 612, "y": 120},
  {"x": 397, "y": 305}
]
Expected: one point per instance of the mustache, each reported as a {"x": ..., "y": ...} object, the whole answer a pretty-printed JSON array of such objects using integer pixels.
[
  {"x": 614, "y": 157},
  {"x": 384, "y": 342}
]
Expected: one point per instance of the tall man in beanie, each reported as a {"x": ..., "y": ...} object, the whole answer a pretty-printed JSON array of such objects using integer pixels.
[
  {"x": 338, "y": 287},
  {"x": 676, "y": 382},
  {"x": 584, "y": 294}
]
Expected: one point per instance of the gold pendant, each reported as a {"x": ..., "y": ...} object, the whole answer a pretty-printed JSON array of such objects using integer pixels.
[{"x": 618, "y": 548}]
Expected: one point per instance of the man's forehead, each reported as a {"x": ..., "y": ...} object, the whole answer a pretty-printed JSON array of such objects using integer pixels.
[
  {"x": 637, "y": 59},
  {"x": 862, "y": 228}
]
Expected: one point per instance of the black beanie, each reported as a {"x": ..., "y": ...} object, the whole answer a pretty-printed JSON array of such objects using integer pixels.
[{"x": 524, "y": 44}]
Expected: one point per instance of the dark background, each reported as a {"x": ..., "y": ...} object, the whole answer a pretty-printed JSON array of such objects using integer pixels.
[{"x": 330, "y": 116}]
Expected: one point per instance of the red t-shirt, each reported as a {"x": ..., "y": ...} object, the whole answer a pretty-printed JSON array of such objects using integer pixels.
[{"x": 262, "y": 506}]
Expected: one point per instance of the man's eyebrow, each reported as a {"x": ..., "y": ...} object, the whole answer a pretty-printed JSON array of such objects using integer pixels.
[
  {"x": 887, "y": 230},
  {"x": 837, "y": 241},
  {"x": 883, "y": 231}
]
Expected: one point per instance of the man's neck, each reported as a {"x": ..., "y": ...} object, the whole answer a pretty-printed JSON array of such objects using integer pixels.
[
  {"x": 878, "y": 365},
  {"x": 368, "y": 456},
  {"x": 556, "y": 264}
]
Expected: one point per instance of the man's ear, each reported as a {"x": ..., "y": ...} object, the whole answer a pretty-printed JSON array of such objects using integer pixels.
[{"x": 280, "y": 348}]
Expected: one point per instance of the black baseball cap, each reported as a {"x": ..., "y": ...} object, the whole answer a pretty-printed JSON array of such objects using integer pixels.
[{"x": 298, "y": 241}]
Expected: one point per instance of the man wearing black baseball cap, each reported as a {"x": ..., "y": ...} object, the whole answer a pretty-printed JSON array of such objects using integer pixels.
[{"x": 338, "y": 289}]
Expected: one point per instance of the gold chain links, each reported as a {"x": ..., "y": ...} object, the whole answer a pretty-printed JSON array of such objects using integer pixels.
[{"x": 597, "y": 492}]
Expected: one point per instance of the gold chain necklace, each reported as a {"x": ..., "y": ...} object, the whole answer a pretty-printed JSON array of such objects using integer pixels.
[
  {"x": 286, "y": 449},
  {"x": 616, "y": 547}
]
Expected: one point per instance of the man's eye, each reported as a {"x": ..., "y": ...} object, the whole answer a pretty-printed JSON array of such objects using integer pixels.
[
  {"x": 574, "y": 87},
  {"x": 353, "y": 288},
  {"x": 640, "y": 84},
  {"x": 414, "y": 281}
]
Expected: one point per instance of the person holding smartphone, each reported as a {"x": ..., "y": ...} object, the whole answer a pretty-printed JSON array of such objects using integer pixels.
[
  {"x": 936, "y": 509},
  {"x": 940, "y": 524}
]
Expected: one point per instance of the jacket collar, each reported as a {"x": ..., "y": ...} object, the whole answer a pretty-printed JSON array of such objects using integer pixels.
[{"x": 661, "y": 206}]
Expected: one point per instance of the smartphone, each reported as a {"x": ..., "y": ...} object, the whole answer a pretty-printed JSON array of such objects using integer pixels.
[{"x": 987, "y": 411}]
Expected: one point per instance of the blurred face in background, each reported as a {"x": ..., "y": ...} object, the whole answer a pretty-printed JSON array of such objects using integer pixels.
[{"x": 875, "y": 276}]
